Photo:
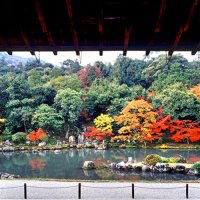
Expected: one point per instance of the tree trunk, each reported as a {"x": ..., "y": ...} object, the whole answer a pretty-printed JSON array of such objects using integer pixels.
[{"x": 25, "y": 128}]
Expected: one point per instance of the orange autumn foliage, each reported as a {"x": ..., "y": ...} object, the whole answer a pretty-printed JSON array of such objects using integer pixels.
[
  {"x": 195, "y": 90},
  {"x": 94, "y": 133},
  {"x": 135, "y": 119},
  {"x": 36, "y": 135}
]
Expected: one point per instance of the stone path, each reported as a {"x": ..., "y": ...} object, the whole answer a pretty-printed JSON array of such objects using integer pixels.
[{"x": 96, "y": 190}]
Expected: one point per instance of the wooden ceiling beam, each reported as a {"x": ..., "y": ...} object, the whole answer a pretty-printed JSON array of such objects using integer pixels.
[
  {"x": 160, "y": 16},
  {"x": 177, "y": 40},
  {"x": 184, "y": 28},
  {"x": 72, "y": 26},
  {"x": 196, "y": 49},
  {"x": 187, "y": 24},
  {"x": 100, "y": 29},
  {"x": 127, "y": 34},
  {"x": 44, "y": 26},
  {"x": 26, "y": 42}
]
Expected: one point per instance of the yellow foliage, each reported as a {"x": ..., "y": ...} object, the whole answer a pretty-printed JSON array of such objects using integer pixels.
[
  {"x": 104, "y": 122},
  {"x": 2, "y": 120}
]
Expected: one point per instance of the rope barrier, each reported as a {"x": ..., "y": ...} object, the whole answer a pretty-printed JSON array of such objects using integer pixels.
[
  {"x": 52, "y": 187},
  {"x": 2, "y": 188},
  {"x": 194, "y": 187},
  {"x": 160, "y": 188},
  {"x": 86, "y": 186}
]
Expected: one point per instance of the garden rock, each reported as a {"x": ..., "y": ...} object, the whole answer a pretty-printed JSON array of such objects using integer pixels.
[
  {"x": 7, "y": 143},
  {"x": 192, "y": 172},
  {"x": 121, "y": 165},
  {"x": 88, "y": 165},
  {"x": 71, "y": 139},
  {"x": 145, "y": 168},
  {"x": 180, "y": 168},
  {"x": 112, "y": 165},
  {"x": 7, "y": 149},
  {"x": 41, "y": 144},
  {"x": 162, "y": 167},
  {"x": 8, "y": 176}
]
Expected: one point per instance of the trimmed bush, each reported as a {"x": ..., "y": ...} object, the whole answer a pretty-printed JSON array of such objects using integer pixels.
[
  {"x": 152, "y": 159},
  {"x": 197, "y": 166},
  {"x": 170, "y": 160},
  {"x": 19, "y": 137}
]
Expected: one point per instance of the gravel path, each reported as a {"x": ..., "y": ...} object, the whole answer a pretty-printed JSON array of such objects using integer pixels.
[{"x": 96, "y": 190}]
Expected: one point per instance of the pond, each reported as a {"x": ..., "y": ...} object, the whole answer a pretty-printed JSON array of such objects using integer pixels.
[{"x": 68, "y": 164}]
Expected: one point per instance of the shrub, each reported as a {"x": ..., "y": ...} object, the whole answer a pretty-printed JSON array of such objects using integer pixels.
[
  {"x": 19, "y": 137},
  {"x": 152, "y": 159},
  {"x": 7, "y": 135},
  {"x": 197, "y": 167},
  {"x": 52, "y": 141},
  {"x": 45, "y": 138},
  {"x": 170, "y": 160}
]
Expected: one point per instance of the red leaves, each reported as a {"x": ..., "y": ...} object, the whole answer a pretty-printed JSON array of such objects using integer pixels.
[
  {"x": 181, "y": 129},
  {"x": 87, "y": 74},
  {"x": 37, "y": 163},
  {"x": 36, "y": 136},
  {"x": 97, "y": 134}
]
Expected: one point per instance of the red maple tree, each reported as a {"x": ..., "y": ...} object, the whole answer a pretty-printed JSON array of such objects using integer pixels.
[
  {"x": 180, "y": 130},
  {"x": 94, "y": 133},
  {"x": 36, "y": 135}
]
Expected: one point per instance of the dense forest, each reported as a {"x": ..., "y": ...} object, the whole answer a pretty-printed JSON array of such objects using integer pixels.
[{"x": 132, "y": 100}]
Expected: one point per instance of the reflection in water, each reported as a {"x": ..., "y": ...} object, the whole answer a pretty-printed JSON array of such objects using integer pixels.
[
  {"x": 68, "y": 164},
  {"x": 37, "y": 163}
]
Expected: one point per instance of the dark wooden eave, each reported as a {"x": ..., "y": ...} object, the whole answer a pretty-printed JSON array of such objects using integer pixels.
[{"x": 101, "y": 25}]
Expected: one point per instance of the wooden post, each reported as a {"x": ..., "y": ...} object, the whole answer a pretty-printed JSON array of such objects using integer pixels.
[
  {"x": 187, "y": 191},
  {"x": 25, "y": 191},
  {"x": 79, "y": 191},
  {"x": 133, "y": 191}
]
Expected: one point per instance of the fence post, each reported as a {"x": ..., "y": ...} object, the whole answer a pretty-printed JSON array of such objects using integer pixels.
[
  {"x": 133, "y": 191},
  {"x": 79, "y": 191},
  {"x": 187, "y": 191},
  {"x": 25, "y": 191}
]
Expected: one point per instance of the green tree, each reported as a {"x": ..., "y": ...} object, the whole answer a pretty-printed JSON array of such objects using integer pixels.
[
  {"x": 19, "y": 114},
  {"x": 128, "y": 71},
  {"x": 63, "y": 82},
  {"x": 69, "y": 103},
  {"x": 48, "y": 119}
]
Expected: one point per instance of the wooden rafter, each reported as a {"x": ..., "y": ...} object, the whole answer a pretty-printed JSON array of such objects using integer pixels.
[
  {"x": 100, "y": 30},
  {"x": 184, "y": 28},
  {"x": 160, "y": 16},
  {"x": 127, "y": 34},
  {"x": 72, "y": 26},
  {"x": 44, "y": 26},
  {"x": 26, "y": 42},
  {"x": 196, "y": 49},
  {"x": 177, "y": 40},
  {"x": 157, "y": 29}
]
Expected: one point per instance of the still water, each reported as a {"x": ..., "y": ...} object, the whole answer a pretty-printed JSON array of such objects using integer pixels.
[{"x": 68, "y": 164}]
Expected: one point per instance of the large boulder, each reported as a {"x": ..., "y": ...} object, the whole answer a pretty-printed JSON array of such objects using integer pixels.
[
  {"x": 145, "y": 168},
  {"x": 112, "y": 165},
  {"x": 121, "y": 165},
  {"x": 192, "y": 172},
  {"x": 180, "y": 168},
  {"x": 162, "y": 167},
  {"x": 89, "y": 165}
]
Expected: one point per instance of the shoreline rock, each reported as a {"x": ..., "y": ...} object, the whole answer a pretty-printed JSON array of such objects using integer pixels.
[{"x": 8, "y": 176}]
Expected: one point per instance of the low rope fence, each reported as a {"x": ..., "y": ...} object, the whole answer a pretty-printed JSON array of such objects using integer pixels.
[{"x": 79, "y": 186}]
